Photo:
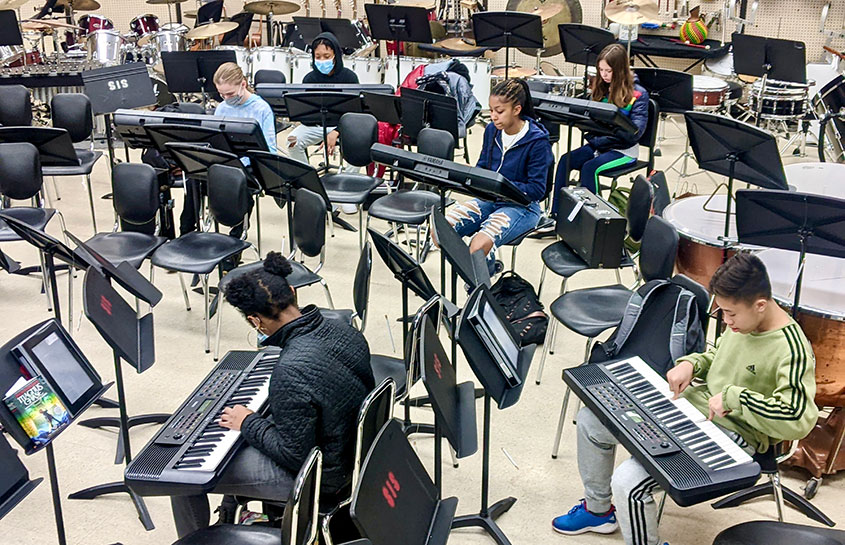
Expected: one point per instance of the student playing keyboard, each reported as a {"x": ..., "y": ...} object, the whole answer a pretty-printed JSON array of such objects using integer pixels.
[{"x": 758, "y": 385}]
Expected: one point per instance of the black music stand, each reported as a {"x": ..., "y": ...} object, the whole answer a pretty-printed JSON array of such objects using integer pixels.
[
  {"x": 343, "y": 29},
  {"x": 15, "y": 483},
  {"x": 453, "y": 403},
  {"x": 582, "y": 44},
  {"x": 113, "y": 87},
  {"x": 496, "y": 386},
  {"x": 783, "y": 60},
  {"x": 670, "y": 89},
  {"x": 74, "y": 363},
  {"x": 395, "y": 23},
  {"x": 160, "y": 134},
  {"x": 8, "y": 264},
  {"x": 55, "y": 148},
  {"x": 321, "y": 108},
  {"x": 472, "y": 268},
  {"x": 737, "y": 150},
  {"x": 507, "y": 29},
  {"x": 384, "y": 107},
  {"x": 193, "y": 71},
  {"x": 421, "y": 109},
  {"x": 10, "y": 31}
]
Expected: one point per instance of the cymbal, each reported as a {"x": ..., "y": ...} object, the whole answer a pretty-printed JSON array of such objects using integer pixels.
[
  {"x": 80, "y": 5},
  {"x": 276, "y": 7},
  {"x": 456, "y": 44},
  {"x": 566, "y": 11},
  {"x": 158, "y": 2},
  {"x": 36, "y": 26},
  {"x": 471, "y": 5},
  {"x": 211, "y": 30},
  {"x": 12, "y": 4},
  {"x": 514, "y": 72},
  {"x": 632, "y": 12},
  {"x": 52, "y": 23}
]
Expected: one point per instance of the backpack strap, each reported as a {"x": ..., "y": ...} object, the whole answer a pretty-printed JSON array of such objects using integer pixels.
[
  {"x": 686, "y": 333},
  {"x": 632, "y": 313}
]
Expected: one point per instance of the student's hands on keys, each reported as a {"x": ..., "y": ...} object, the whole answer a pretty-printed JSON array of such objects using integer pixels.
[
  {"x": 716, "y": 407},
  {"x": 233, "y": 417},
  {"x": 679, "y": 377}
]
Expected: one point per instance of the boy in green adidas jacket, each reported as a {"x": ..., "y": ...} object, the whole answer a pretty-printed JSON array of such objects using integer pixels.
[{"x": 759, "y": 379}]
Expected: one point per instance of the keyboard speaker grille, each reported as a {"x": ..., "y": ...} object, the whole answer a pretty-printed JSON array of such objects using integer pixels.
[
  {"x": 589, "y": 375},
  {"x": 685, "y": 472},
  {"x": 151, "y": 462}
]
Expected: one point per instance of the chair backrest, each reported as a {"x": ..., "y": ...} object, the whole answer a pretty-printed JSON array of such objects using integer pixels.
[
  {"x": 15, "y": 106},
  {"x": 72, "y": 112},
  {"x": 639, "y": 207},
  {"x": 136, "y": 196},
  {"x": 228, "y": 197},
  {"x": 436, "y": 142},
  {"x": 20, "y": 170},
  {"x": 302, "y": 510},
  {"x": 361, "y": 283},
  {"x": 702, "y": 298},
  {"x": 309, "y": 222},
  {"x": 649, "y": 137},
  {"x": 659, "y": 249},
  {"x": 376, "y": 411},
  {"x": 358, "y": 132},
  {"x": 395, "y": 495},
  {"x": 269, "y": 76}
]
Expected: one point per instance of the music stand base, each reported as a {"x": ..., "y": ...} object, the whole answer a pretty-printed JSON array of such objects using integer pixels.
[
  {"x": 117, "y": 488},
  {"x": 114, "y": 422},
  {"x": 789, "y": 496},
  {"x": 488, "y": 522},
  {"x": 107, "y": 403}
]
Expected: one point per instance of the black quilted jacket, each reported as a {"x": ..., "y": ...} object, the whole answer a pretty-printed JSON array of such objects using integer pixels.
[{"x": 322, "y": 377}]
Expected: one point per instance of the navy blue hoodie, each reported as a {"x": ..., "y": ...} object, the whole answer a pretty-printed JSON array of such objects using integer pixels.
[{"x": 526, "y": 163}]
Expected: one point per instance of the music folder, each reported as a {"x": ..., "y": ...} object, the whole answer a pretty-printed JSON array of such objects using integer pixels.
[{"x": 114, "y": 87}]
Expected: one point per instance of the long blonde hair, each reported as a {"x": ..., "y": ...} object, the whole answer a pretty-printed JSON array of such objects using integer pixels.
[
  {"x": 229, "y": 72},
  {"x": 620, "y": 91}
]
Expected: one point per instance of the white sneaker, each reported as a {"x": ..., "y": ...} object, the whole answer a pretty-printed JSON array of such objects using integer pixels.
[{"x": 348, "y": 208}]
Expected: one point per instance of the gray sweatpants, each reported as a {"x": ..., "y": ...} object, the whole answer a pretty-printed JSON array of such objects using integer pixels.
[{"x": 630, "y": 484}]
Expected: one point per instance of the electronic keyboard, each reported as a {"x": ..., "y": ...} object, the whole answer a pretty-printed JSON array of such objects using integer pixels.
[
  {"x": 688, "y": 455},
  {"x": 189, "y": 454},
  {"x": 588, "y": 115},
  {"x": 479, "y": 182}
]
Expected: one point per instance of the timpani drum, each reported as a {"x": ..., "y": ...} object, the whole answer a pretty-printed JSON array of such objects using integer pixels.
[
  {"x": 708, "y": 93},
  {"x": 821, "y": 313},
  {"x": 702, "y": 247},
  {"x": 817, "y": 178}
]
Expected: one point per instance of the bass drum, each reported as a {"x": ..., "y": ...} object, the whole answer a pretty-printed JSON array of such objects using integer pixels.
[
  {"x": 368, "y": 69},
  {"x": 830, "y": 99},
  {"x": 272, "y": 58},
  {"x": 300, "y": 65}
]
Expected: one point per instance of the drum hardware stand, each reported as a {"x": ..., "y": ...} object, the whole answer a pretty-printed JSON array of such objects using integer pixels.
[{"x": 741, "y": 16}]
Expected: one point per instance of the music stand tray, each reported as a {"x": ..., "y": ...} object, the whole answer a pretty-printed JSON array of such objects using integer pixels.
[
  {"x": 113, "y": 87},
  {"x": 195, "y": 160},
  {"x": 670, "y": 89},
  {"x": 396, "y": 23},
  {"x": 193, "y": 71},
  {"x": 320, "y": 108},
  {"x": 161, "y": 134},
  {"x": 581, "y": 44},
  {"x": 384, "y": 107},
  {"x": 10, "y": 32},
  {"x": 15, "y": 484}
]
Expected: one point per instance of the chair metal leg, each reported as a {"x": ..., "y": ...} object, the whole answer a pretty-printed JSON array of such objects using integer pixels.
[
  {"x": 540, "y": 286},
  {"x": 219, "y": 324},
  {"x": 554, "y": 331},
  {"x": 204, "y": 279},
  {"x": 56, "y": 188},
  {"x": 257, "y": 225},
  {"x": 513, "y": 258},
  {"x": 91, "y": 201},
  {"x": 70, "y": 300},
  {"x": 618, "y": 276},
  {"x": 419, "y": 248},
  {"x": 546, "y": 346},
  {"x": 778, "y": 493},
  {"x": 560, "y": 422},
  {"x": 360, "y": 227},
  {"x": 660, "y": 507},
  {"x": 328, "y": 293},
  {"x": 184, "y": 292}
]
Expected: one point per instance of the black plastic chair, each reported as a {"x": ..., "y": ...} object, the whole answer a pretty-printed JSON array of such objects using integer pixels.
[
  {"x": 396, "y": 497},
  {"x": 648, "y": 139},
  {"x": 413, "y": 207},
  {"x": 764, "y": 532},
  {"x": 360, "y": 293},
  {"x": 375, "y": 412},
  {"x": 15, "y": 106},
  {"x": 269, "y": 76},
  {"x": 559, "y": 258},
  {"x": 200, "y": 252},
  {"x": 136, "y": 202},
  {"x": 358, "y": 132},
  {"x": 72, "y": 112},
  {"x": 299, "y": 521}
]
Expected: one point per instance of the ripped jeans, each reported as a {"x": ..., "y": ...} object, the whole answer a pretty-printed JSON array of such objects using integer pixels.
[{"x": 500, "y": 221}]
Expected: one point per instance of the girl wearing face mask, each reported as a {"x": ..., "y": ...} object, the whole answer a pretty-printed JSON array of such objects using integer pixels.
[
  {"x": 239, "y": 101},
  {"x": 327, "y": 64},
  {"x": 616, "y": 84},
  {"x": 316, "y": 388}
]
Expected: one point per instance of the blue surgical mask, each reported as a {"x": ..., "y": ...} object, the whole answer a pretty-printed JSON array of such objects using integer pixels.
[
  {"x": 261, "y": 337},
  {"x": 324, "y": 67}
]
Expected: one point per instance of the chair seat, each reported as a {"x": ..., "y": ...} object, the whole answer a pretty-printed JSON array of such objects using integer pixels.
[
  {"x": 624, "y": 169},
  {"x": 778, "y": 533},
  {"x": 197, "y": 253},
  {"x": 127, "y": 246},
  {"x": 231, "y": 534},
  {"x": 87, "y": 159},
  {"x": 591, "y": 311},
  {"x": 341, "y": 314},
  {"x": 301, "y": 275},
  {"x": 412, "y": 207},
  {"x": 34, "y": 217},
  {"x": 349, "y": 188},
  {"x": 561, "y": 260},
  {"x": 389, "y": 366}
]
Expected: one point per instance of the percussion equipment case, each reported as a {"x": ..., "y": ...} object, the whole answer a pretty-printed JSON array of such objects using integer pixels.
[{"x": 591, "y": 227}]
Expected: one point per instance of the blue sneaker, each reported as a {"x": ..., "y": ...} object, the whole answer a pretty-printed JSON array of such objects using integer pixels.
[{"x": 578, "y": 521}]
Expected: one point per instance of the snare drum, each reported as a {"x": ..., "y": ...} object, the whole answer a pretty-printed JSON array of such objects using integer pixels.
[
  {"x": 368, "y": 69},
  {"x": 722, "y": 67},
  {"x": 10, "y": 54},
  {"x": 144, "y": 27},
  {"x": 274, "y": 58},
  {"x": 702, "y": 247},
  {"x": 241, "y": 58},
  {"x": 32, "y": 57},
  {"x": 560, "y": 85},
  {"x": 782, "y": 100},
  {"x": 92, "y": 23},
  {"x": 105, "y": 47},
  {"x": 708, "y": 93}
]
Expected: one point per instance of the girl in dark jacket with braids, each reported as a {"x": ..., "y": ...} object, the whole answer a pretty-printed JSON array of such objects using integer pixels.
[{"x": 321, "y": 379}]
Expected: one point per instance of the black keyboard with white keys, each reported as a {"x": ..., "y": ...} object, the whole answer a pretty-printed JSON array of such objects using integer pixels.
[
  {"x": 188, "y": 454},
  {"x": 690, "y": 457}
]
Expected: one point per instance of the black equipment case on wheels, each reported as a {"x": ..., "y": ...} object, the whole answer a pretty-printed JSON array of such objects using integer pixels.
[{"x": 591, "y": 227}]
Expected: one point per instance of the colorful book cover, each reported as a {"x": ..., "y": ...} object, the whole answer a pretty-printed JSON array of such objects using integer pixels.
[{"x": 38, "y": 410}]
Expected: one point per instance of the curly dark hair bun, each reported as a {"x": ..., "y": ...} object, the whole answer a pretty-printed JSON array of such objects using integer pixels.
[{"x": 276, "y": 263}]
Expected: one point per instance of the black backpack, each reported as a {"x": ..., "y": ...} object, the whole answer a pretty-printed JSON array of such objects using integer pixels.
[
  {"x": 522, "y": 306},
  {"x": 659, "y": 309}
]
